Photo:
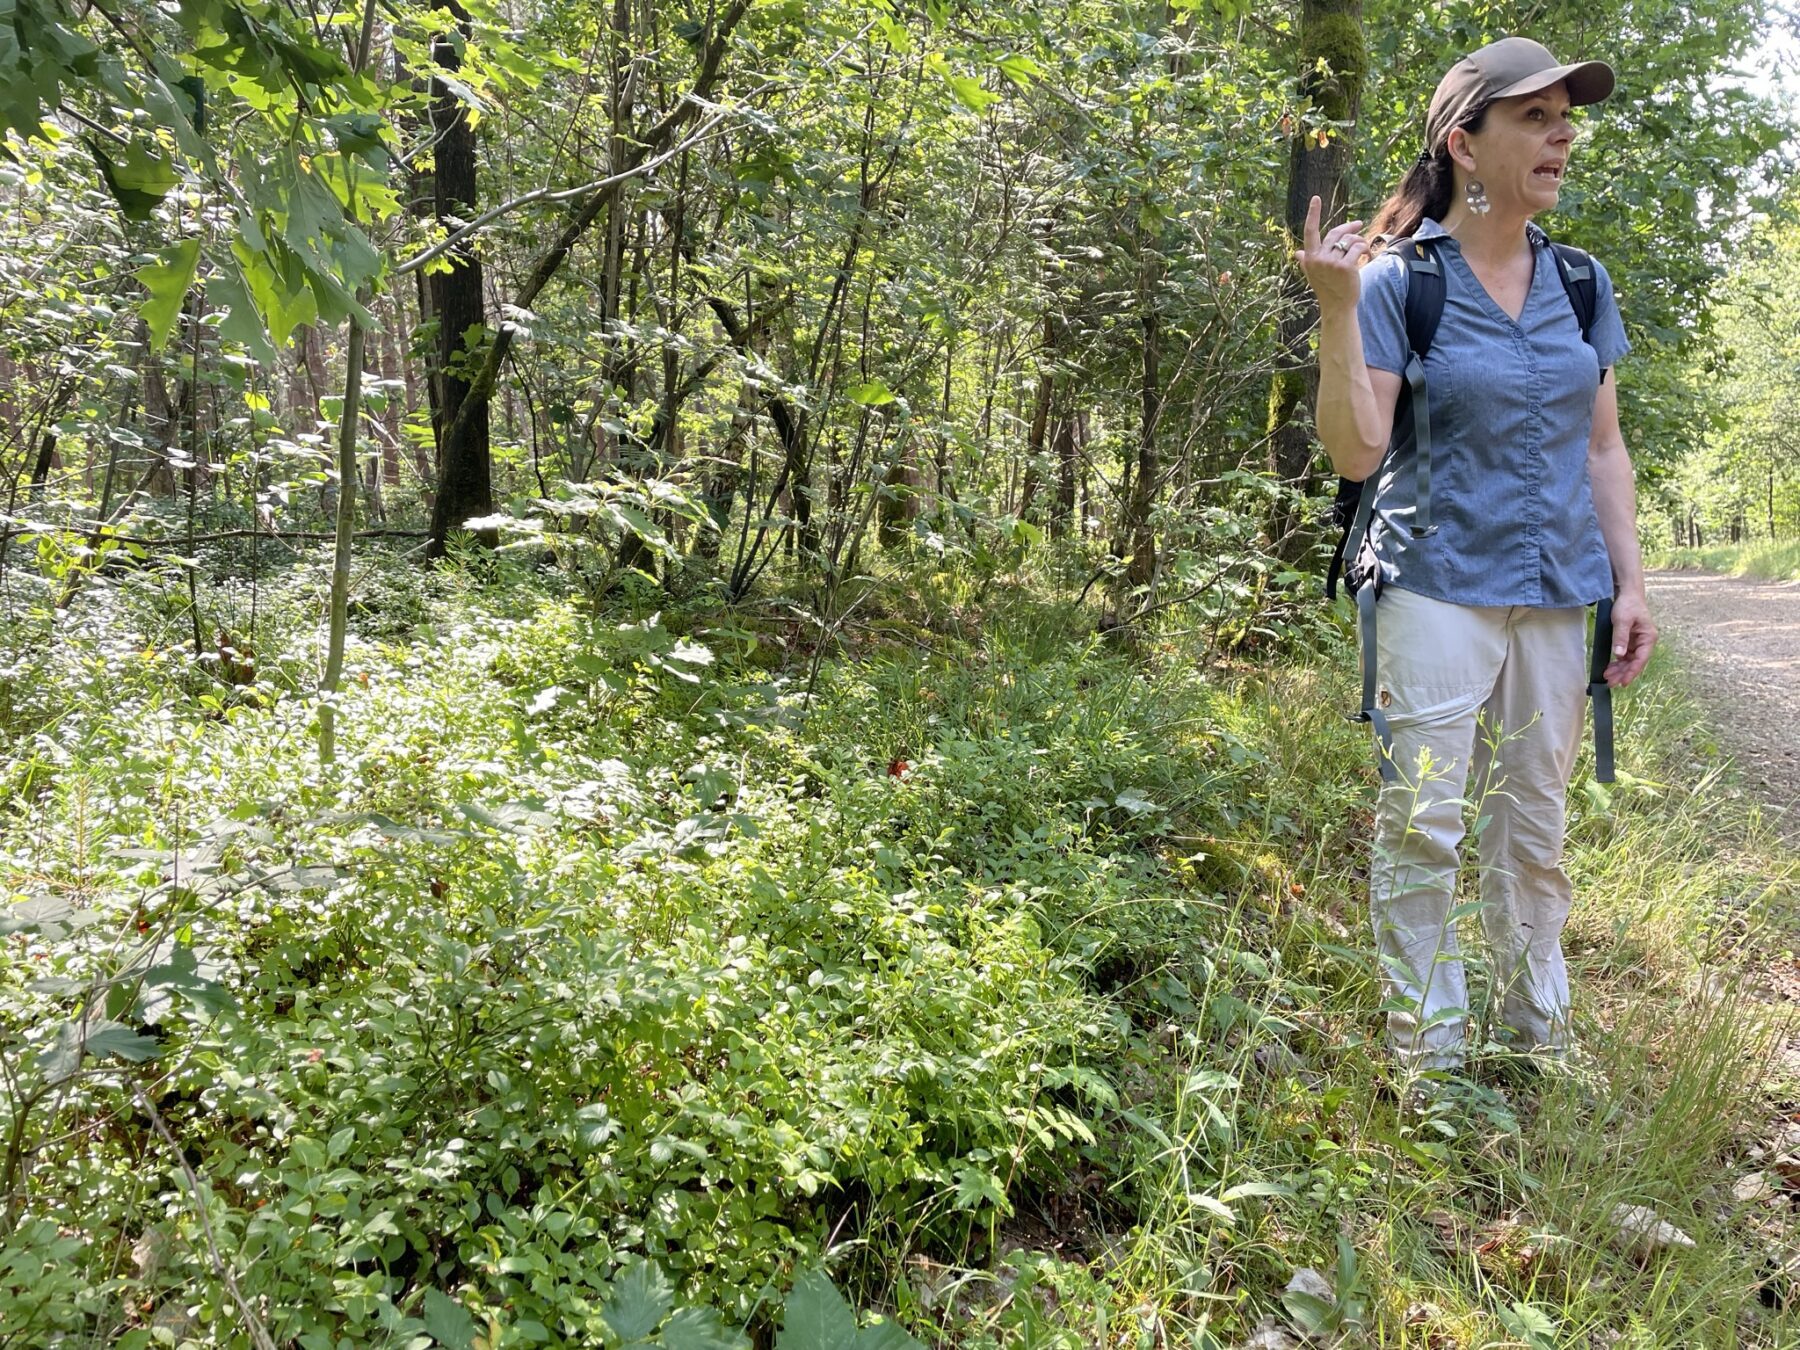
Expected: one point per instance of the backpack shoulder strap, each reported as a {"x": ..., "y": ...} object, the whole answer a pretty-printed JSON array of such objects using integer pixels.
[
  {"x": 1577, "y": 272},
  {"x": 1424, "y": 308},
  {"x": 1424, "y": 292}
]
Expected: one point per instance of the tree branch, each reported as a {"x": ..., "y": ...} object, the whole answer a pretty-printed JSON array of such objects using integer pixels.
[
  {"x": 654, "y": 143},
  {"x": 545, "y": 194}
]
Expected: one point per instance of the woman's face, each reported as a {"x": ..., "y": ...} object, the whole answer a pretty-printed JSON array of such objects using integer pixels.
[{"x": 1522, "y": 150}]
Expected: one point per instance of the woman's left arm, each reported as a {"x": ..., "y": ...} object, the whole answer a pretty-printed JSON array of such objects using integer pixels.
[{"x": 1615, "y": 502}]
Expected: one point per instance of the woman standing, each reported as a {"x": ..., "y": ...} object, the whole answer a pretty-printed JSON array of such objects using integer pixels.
[{"x": 1485, "y": 555}]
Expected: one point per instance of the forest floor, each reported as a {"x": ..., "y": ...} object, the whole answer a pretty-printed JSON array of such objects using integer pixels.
[
  {"x": 1741, "y": 638},
  {"x": 1012, "y": 974}
]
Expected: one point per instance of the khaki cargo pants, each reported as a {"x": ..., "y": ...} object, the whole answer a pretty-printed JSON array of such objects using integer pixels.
[{"x": 1497, "y": 690}]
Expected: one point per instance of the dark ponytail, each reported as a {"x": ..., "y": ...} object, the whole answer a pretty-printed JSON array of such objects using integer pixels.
[{"x": 1425, "y": 192}]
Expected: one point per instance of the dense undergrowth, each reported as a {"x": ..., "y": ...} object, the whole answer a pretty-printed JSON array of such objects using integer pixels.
[
  {"x": 1019, "y": 974},
  {"x": 1765, "y": 560}
]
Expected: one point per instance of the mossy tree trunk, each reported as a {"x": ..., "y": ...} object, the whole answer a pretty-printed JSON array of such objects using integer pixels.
[{"x": 1333, "y": 65}]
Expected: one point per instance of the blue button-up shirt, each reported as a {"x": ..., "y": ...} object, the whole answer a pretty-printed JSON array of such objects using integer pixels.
[{"x": 1512, "y": 406}]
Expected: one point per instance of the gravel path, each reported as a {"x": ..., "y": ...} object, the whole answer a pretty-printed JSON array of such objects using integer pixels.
[{"x": 1743, "y": 638}]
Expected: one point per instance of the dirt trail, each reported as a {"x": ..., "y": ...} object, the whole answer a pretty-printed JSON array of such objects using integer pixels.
[{"x": 1743, "y": 639}]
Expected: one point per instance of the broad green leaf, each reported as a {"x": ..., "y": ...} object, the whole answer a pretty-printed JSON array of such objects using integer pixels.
[
  {"x": 594, "y": 1124},
  {"x": 168, "y": 280},
  {"x": 1244, "y": 1190},
  {"x": 62, "y": 1057},
  {"x": 641, "y": 1298},
  {"x": 123, "y": 1042},
  {"x": 1214, "y": 1206},
  {"x": 816, "y": 1317},
  {"x": 975, "y": 1187},
  {"x": 1021, "y": 70},
  {"x": 448, "y": 1322},
  {"x": 277, "y": 283},
  {"x": 698, "y": 1329},
  {"x": 871, "y": 395},
  {"x": 137, "y": 179}
]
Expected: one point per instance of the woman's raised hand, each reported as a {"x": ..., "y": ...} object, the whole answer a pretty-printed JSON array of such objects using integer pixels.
[{"x": 1330, "y": 262}]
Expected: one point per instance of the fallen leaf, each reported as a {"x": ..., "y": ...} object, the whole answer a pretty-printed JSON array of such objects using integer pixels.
[
  {"x": 1270, "y": 1335},
  {"x": 1641, "y": 1231},
  {"x": 1754, "y": 1187}
]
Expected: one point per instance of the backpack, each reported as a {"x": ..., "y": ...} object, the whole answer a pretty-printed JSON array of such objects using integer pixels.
[{"x": 1412, "y": 433}]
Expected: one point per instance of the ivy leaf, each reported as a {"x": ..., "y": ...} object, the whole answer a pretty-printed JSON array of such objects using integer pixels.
[
  {"x": 168, "y": 280},
  {"x": 641, "y": 1298}
]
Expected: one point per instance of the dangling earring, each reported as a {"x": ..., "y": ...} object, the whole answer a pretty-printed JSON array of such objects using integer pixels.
[{"x": 1475, "y": 194}]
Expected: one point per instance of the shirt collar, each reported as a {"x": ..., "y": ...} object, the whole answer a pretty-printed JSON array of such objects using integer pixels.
[{"x": 1432, "y": 229}]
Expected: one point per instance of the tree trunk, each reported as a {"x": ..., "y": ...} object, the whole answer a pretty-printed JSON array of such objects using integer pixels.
[
  {"x": 464, "y": 468},
  {"x": 1333, "y": 62},
  {"x": 1149, "y": 470},
  {"x": 46, "y": 460},
  {"x": 1064, "y": 445}
]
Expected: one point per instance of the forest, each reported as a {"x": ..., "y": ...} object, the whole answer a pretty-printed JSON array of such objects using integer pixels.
[{"x": 664, "y": 682}]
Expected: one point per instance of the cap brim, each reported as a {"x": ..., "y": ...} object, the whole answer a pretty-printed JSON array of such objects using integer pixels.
[{"x": 1588, "y": 81}]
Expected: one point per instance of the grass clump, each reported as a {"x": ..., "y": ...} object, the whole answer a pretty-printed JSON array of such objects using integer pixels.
[{"x": 1021, "y": 977}]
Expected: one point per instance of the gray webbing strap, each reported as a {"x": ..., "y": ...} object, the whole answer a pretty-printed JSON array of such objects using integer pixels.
[
  {"x": 1371, "y": 712},
  {"x": 1421, "y": 415},
  {"x": 1359, "y": 524},
  {"x": 1601, "y": 692}
]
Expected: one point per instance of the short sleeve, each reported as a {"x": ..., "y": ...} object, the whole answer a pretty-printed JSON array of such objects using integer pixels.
[
  {"x": 1381, "y": 314},
  {"x": 1608, "y": 332}
]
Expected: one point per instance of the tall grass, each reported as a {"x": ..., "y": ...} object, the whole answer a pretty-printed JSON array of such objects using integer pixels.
[{"x": 1765, "y": 561}]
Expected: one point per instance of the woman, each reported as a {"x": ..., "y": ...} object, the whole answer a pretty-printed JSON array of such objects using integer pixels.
[{"x": 1480, "y": 653}]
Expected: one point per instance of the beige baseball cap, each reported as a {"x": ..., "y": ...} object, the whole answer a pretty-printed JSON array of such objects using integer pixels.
[{"x": 1507, "y": 69}]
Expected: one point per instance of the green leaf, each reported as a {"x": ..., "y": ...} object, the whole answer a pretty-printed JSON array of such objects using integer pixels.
[
  {"x": 699, "y": 1329},
  {"x": 359, "y": 134},
  {"x": 167, "y": 281},
  {"x": 975, "y": 1188},
  {"x": 123, "y": 1042},
  {"x": 138, "y": 179},
  {"x": 1214, "y": 1206},
  {"x": 816, "y": 1317},
  {"x": 277, "y": 284},
  {"x": 226, "y": 292},
  {"x": 871, "y": 395},
  {"x": 1021, "y": 70},
  {"x": 1245, "y": 1190},
  {"x": 448, "y": 1322},
  {"x": 641, "y": 1298},
  {"x": 1311, "y": 1313},
  {"x": 62, "y": 1057}
]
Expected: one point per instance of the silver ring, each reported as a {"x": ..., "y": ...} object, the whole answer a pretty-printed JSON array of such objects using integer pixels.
[{"x": 1341, "y": 245}]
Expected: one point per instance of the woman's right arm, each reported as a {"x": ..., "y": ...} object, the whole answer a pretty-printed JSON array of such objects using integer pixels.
[{"x": 1356, "y": 401}]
